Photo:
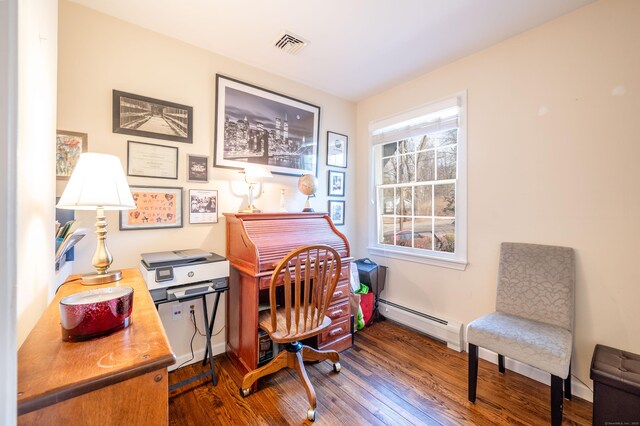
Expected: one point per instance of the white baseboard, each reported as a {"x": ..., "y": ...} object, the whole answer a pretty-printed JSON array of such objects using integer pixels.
[
  {"x": 218, "y": 348},
  {"x": 578, "y": 388}
]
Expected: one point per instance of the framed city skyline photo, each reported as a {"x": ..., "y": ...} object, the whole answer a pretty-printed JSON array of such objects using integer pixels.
[
  {"x": 152, "y": 118},
  {"x": 336, "y": 183},
  {"x": 156, "y": 207},
  {"x": 197, "y": 168},
  {"x": 336, "y": 212},
  {"x": 261, "y": 127},
  {"x": 69, "y": 146},
  {"x": 337, "y": 149}
]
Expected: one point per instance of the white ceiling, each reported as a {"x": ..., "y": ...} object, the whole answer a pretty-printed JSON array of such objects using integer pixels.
[{"x": 357, "y": 47}]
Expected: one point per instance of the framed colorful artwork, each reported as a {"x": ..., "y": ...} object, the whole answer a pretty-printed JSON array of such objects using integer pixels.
[
  {"x": 156, "y": 207},
  {"x": 69, "y": 146}
]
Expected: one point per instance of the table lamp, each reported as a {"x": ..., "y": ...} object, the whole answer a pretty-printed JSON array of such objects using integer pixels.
[
  {"x": 252, "y": 176},
  {"x": 98, "y": 183}
]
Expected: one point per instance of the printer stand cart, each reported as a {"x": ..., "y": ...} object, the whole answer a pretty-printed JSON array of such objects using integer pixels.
[{"x": 208, "y": 325}]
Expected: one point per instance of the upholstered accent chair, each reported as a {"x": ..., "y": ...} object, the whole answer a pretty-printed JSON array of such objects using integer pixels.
[{"x": 533, "y": 322}]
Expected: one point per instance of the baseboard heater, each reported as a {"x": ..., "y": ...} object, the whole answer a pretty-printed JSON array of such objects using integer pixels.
[{"x": 448, "y": 331}]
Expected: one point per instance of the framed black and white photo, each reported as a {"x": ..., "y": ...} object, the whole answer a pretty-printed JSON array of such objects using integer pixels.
[
  {"x": 336, "y": 212},
  {"x": 151, "y": 160},
  {"x": 156, "y": 207},
  {"x": 203, "y": 206},
  {"x": 197, "y": 168},
  {"x": 258, "y": 126},
  {"x": 336, "y": 183},
  {"x": 337, "y": 149},
  {"x": 152, "y": 118}
]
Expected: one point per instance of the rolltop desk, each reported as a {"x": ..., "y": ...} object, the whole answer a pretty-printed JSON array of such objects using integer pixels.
[{"x": 256, "y": 242}]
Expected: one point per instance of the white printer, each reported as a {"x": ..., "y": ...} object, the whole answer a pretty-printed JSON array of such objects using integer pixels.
[{"x": 171, "y": 275}]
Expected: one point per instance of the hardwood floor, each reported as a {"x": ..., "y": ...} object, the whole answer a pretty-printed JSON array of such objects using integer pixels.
[{"x": 391, "y": 376}]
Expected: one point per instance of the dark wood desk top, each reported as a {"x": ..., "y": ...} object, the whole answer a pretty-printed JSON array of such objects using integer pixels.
[{"x": 50, "y": 370}]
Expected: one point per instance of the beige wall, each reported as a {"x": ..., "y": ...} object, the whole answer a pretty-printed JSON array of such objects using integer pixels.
[
  {"x": 37, "y": 61},
  {"x": 553, "y": 146},
  {"x": 97, "y": 54}
]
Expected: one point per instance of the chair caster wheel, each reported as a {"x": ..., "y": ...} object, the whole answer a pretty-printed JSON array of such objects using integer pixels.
[
  {"x": 311, "y": 414},
  {"x": 337, "y": 367},
  {"x": 245, "y": 392}
]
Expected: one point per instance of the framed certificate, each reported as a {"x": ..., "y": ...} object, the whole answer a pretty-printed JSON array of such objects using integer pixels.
[{"x": 151, "y": 160}]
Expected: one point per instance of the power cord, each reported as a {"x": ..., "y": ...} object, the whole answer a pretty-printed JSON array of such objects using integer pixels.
[
  {"x": 195, "y": 330},
  {"x": 67, "y": 282}
]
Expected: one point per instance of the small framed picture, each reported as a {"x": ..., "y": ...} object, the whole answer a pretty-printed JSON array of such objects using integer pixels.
[
  {"x": 69, "y": 146},
  {"x": 336, "y": 183},
  {"x": 203, "y": 206},
  {"x": 336, "y": 211},
  {"x": 197, "y": 170},
  {"x": 337, "y": 149},
  {"x": 156, "y": 207},
  {"x": 151, "y": 160}
]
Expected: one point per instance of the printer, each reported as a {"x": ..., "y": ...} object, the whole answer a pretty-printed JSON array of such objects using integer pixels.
[{"x": 172, "y": 275}]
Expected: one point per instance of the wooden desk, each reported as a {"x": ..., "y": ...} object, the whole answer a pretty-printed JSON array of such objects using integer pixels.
[
  {"x": 118, "y": 379},
  {"x": 256, "y": 243}
]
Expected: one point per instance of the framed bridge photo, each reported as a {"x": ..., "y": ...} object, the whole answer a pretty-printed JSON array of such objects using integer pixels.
[
  {"x": 261, "y": 127},
  {"x": 152, "y": 118}
]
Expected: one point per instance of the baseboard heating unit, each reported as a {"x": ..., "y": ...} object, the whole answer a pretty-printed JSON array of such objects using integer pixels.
[{"x": 446, "y": 330}]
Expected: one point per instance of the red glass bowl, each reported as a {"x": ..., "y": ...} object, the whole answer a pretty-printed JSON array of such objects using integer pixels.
[{"x": 95, "y": 313}]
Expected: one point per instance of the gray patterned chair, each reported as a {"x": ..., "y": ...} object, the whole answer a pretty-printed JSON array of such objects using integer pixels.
[{"x": 533, "y": 322}]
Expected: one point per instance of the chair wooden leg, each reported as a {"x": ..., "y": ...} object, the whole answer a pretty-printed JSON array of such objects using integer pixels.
[
  {"x": 556, "y": 400},
  {"x": 311, "y": 354},
  {"x": 276, "y": 364},
  {"x": 473, "y": 371},
  {"x": 501, "y": 363},
  {"x": 567, "y": 385},
  {"x": 299, "y": 366}
]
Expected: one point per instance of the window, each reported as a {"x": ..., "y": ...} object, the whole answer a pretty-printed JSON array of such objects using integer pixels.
[{"x": 420, "y": 185}]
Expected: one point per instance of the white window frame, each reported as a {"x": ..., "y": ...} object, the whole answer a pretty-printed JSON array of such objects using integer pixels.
[{"x": 457, "y": 260}]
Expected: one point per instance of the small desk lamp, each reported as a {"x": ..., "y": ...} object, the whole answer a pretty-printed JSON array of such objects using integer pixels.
[
  {"x": 98, "y": 183},
  {"x": 252, "y": 176}
]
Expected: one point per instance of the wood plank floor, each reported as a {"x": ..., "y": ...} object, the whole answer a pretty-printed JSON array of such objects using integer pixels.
[{"x": 391, "y": 376}]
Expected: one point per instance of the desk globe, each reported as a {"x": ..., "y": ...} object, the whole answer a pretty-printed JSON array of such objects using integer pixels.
[{"x": 308, "y": 185}]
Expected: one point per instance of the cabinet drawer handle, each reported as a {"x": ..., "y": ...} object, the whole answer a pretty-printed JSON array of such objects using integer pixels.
[
  {"x": 335, "y": 332},
  {"x": 337, "y": 293},
  {"x": 336, "y": 314}
]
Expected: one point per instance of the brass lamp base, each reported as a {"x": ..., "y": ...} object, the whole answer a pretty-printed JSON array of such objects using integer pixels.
[
  {"x": 95, "y": 279},
  {"x": 250, "y": 209}
]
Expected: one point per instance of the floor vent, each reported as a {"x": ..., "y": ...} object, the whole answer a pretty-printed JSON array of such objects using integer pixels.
[
  {"x": 446, "y": 330},
  {"x": 290, "y": 43}
]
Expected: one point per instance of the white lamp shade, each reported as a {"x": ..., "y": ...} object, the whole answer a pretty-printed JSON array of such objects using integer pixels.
[
  {"x": 253, "y": 172},
  {"x": 98, "y": 181}
]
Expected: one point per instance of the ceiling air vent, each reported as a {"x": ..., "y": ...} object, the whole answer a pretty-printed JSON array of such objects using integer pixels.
[{"x": 290, "y": 43}]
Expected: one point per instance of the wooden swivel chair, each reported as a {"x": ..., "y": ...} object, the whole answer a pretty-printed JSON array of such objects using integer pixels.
[{"x": 299, "y": 294}]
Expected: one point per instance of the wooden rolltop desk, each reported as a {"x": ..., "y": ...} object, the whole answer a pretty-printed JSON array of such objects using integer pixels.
[{"x": 256, "y": 243}]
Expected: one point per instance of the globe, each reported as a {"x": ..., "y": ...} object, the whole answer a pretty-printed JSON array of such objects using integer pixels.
[{"x": 308, "y": 184}]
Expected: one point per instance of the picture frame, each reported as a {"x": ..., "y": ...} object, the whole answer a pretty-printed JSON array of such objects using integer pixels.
[
  {"x": 152, "y": 160},
  {"x": 203, "y": 206},
  {"x": 197, "y": 168},
  {"x": 335, "y": 183},
  {"x": 157, "y": 207},
  {"x": 69, "y": 146},
  {"x": 337, "y": 148},
  {"x": 152, "y": 118},
  {"x": 258, "y": 126},
  {"x": 336, "y": 212}
]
